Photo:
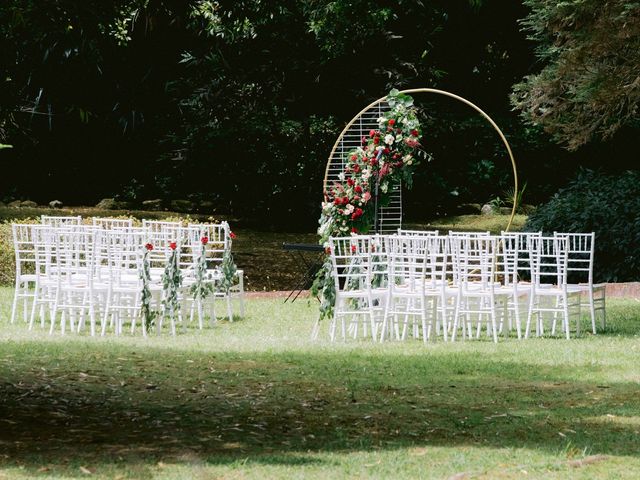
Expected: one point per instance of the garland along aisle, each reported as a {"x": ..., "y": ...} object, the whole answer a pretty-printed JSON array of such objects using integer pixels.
[{"x": 387, "y": 156}]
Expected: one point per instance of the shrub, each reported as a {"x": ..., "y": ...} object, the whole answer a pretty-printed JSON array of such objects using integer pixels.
[{"x": 606, "y": 204}]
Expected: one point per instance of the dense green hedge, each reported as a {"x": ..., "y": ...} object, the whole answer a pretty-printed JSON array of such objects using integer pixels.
[{"x": 608, "y": 205}]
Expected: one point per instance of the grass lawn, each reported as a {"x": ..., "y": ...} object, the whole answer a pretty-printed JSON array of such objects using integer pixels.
[{"x": 257, "y": 399}]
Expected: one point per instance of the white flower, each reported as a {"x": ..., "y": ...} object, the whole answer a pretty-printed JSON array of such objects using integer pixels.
[
  {"x": 382, "y": 120},
  {"x": 389, "y": 139},
  {"x": 398, "y": 138},
  {"x": 344, "y": 222},
  {"x": 384, "y": 187},
  {"x": 406, "y": 158},
  {"x": 349, "y": 209},
  {"x": 341, "y": 177},
  {"x": 366, "y": 173},
  {"x": 409, "y": 162}
]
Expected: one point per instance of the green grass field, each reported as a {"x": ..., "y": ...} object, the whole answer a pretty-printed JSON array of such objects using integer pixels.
[{"x": 257, "y": 399}]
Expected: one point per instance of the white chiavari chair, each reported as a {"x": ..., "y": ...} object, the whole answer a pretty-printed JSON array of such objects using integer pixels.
[
  {"x": 25, "y": 283},
  {"x": 351, "y": 265},
  {"x": 474, "y": 258},
  {"x": 550, "y": 292},
  {"x": 580, "y": 273},
  {"x": 55, "y": 221},
  {"x": 406, "y": 297},
  {"x": 109, "y": 223}
]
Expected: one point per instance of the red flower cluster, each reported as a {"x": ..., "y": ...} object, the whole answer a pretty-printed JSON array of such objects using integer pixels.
[
  {"x": 232, "y": 235},
  {"x": 204, "y": 240},
  {"x": 354, "y": 249},
  {"x": 357, "y": 213},
  {"x": 149, "y": 246},
  {"x": 173, "y": 245}
]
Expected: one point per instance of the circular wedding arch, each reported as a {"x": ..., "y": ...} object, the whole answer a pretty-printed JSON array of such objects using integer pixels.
[{"x": 367, "y": 119}]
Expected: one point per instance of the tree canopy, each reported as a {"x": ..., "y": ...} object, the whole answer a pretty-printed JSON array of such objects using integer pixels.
[{"x": 589, "y": 86}]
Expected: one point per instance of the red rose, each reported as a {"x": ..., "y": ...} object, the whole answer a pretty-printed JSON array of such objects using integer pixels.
[
  {"x": 204, "y": 240},
  {"x": 232, "y": 235},
  {"x": 350, "y": 182},
  {"x": 354, "y": 249},
  {"x": 372, "y": 133},
  {"x": 354, "y": 230},
  {"x": 354, "y": 157},
  {"x": 415, "y": 133},
  {"x": 173, "y": 245},
  {"x": 374, "y": 162},
  {"x": 345, "y": 200},
  {"x": 148, "y": 246},
  {"x": 357, "y": 213},
  {"x": 376, "y": 140},
  {"x": 337, "y": 201},
  {"x": 396, "y": 156},
  {"x": 386, "y": 151},
  {"x": 364, "y": 140},
  {"x": 356, "y": 168},
  {"x": 392, "y": 122},
  {"x": 358, "y": 189}
]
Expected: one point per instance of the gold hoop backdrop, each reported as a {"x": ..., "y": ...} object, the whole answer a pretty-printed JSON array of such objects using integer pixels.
[{"x": 455, "y": 97}]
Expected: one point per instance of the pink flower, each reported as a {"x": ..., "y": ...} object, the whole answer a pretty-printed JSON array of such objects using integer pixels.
[
  {"x": 372, "y": 133},
  {"x": 411, "y": 141},
  {"x": 367, "y": 196}
]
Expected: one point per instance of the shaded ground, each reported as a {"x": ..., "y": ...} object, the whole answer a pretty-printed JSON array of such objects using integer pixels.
[{"x": 256, "y": 399}]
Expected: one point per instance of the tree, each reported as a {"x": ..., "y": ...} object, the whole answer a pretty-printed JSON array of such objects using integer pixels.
[{"x": 589, "y": 87}]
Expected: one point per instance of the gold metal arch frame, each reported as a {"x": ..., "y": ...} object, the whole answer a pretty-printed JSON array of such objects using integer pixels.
[{"x": 455, "y": 97}]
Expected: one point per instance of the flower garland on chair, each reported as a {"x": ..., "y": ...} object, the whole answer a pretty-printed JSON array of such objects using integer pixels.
[
  {"x": 201, "y": 288},
  {"x": 148, "y": 314},
  {"x": 227, "y": 268},
  {"x": 171, "y": 283},
  {"x": 387, "y": 156}
]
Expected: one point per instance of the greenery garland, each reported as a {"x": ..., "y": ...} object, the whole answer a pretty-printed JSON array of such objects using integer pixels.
[
  {"x": 148, "y": 314},
  {"x": 201, "y": 288},
  {"x": 388, "y": 156},
  {"x": 171, "y": 283},
  {"x": 227, "y": 268}
]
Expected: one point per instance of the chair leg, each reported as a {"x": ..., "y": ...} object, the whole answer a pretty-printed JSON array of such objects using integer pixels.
[{"x": 592, "y": 310}]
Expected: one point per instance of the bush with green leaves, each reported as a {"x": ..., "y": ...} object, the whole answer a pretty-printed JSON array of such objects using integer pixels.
[{"x": 607, "y": 204}]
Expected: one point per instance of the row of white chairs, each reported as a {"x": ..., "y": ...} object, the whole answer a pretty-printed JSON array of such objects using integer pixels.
[
  {"x": 69, "y": 272},
  {"x": 424, "y": 284}
]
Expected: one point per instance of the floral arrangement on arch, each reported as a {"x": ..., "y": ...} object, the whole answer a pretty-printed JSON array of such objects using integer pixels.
[{"x": 387, "y": 156}]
